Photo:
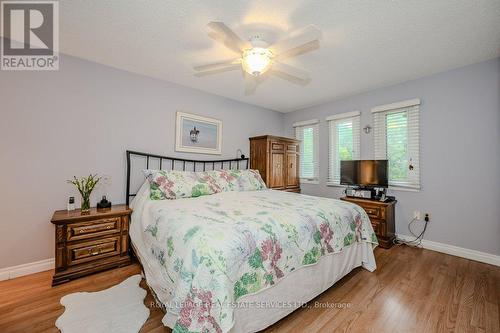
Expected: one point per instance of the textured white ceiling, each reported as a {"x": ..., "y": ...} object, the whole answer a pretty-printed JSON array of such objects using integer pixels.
[{"x": 365, "y": 44}]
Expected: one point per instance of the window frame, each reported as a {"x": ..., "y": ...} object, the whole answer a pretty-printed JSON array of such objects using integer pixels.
[
  {"x": 333, "y": 121},
  {"x": 413, "y": 181},
  {"x": 301, "y": 125}
]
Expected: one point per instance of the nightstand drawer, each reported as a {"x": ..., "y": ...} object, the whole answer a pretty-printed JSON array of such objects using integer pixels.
[
  {"x": 379, "y": 226},
  {"x": 374, "y": 211},
  {"x": 93, "y": 250},
  {"x": 90, "y": 229},
  {"x": 375, "y": 226},
  {"x": 382, "y": 217}
]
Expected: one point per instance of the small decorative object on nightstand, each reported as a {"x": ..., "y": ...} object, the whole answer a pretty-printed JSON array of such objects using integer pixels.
[
  {"x": 71, "y": 204},
  {"x": 90, "y": 243},
  {"x": 104, "y": 203},
  {"x": 381, "y": 215}
]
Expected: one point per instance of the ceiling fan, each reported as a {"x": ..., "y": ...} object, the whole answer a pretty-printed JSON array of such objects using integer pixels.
[{"x": 257, "y": 56}]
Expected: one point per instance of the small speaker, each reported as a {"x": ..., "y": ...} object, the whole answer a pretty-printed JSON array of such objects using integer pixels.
[{"x": 366, "y": 194}]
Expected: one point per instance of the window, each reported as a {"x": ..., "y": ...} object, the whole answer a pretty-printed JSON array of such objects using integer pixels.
[
  {"x": 307, "y": 133},
  {"x": 344, "y": 143},
  {"x": 396, "y": 131}
]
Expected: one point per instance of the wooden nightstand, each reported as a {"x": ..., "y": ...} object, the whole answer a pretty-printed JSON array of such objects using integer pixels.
[
  {"x": 86, "y": 244},
  {"x": 382, "y": 217}
]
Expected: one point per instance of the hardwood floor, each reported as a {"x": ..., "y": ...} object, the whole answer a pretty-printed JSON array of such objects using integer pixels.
[{"x": 413, "y": 290}]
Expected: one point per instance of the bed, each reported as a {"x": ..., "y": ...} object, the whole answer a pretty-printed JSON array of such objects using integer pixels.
[{"x": 239, "y": 261}]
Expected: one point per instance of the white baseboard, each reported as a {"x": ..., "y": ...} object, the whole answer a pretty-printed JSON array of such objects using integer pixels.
[
  {"x": 26, "y": 269},
  {"x": 462, "y": 252}
]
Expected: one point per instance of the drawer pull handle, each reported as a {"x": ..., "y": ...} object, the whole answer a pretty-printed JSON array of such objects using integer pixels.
[
  {"x": 92, "y": 253},
  {"x": 92, "y": 229},
  {"x": 86, "y": 229}
]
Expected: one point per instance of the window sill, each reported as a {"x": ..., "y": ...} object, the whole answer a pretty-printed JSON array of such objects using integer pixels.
[
  {"x": 309, "y": 181},
  {"x": 390, "y": 188},
  {"x": 335, "y": 185},
  {"x": 403, "y": 189}
]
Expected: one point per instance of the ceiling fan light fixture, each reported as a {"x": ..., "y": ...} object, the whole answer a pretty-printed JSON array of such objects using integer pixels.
[
  {"x": 257, "y": 60},
  {"x": 257, "y": 56}
]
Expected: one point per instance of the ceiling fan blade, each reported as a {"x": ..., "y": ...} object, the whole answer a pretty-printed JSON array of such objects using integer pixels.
[
  {"x": 304, "y": 36},
  {"x": 251, "y": 84},
  {"x": 290, "y": 73},
  {"x": 217, "y": 65},
  {"x": 304, "y": 48},
  {"x": 227, "y": 68},
  {"x": 227, "y": 36}
]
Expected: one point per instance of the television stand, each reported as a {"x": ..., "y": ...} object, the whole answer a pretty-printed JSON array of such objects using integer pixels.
[{"x": 382, "y": 217}]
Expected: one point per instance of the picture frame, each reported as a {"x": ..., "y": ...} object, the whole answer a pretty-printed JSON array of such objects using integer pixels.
[{"x": 198, "y": 134}]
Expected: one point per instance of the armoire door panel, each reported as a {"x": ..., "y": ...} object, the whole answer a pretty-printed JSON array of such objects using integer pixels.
[
  {"x": 292, "y": 168},
  {"x": 277, "y": 175}
]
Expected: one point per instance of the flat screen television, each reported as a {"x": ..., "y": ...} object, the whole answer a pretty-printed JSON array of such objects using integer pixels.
[{"x": 364, "y": 173}]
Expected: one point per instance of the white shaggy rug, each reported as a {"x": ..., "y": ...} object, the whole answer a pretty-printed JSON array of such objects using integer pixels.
[{"x": 119, "y": 309}]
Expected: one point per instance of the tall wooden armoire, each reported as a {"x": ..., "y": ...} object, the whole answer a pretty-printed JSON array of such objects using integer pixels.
[{"x": 277, "y": 159}]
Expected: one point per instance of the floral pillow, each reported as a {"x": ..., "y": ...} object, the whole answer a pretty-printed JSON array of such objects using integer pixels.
[
  {"x": 180, "y": 184},
  {"x": 238, "y": 180},
  {"x": 256, "y": 183},
  {"x": 189, "y": 184}
]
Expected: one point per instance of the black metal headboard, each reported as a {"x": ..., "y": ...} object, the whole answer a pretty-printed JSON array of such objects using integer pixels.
[{"x": 174, "y": 163}]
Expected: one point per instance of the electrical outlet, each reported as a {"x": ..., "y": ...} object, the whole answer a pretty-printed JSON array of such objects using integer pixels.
[{"x": 417, "y": 215}]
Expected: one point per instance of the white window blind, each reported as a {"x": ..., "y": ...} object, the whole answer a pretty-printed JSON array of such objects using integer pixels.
[
  {"x": 344, "y": 142},
  {"x": 308, "y": 134},
  {"x": 396, "y": 129}
]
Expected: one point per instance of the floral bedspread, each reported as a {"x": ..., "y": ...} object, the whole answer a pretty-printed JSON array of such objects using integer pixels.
[{"x": 217, "y": 248}]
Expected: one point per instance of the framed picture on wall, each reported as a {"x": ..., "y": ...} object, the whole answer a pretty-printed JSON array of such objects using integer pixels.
[{"x": 197, "y": 134}]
